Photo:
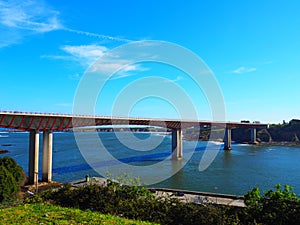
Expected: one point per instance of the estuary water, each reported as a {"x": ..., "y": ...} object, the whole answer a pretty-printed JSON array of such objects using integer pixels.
[{"x": 232, "y": 172}]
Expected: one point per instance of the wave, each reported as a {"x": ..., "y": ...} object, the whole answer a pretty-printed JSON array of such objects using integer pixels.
[
  {"x": 215, "y": 143},
  {"x": 240, "y": 144},
  {"x": 3, "y": 136}
]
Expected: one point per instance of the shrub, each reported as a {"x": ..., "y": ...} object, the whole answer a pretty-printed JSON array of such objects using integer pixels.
[
  {"x": 139, "y": 203},
  {"x": 279, "y": 206},
  {"x": 11, "y": 178}
]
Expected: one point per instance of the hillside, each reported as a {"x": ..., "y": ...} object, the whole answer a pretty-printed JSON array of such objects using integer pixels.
[
  {"x": 50, "y": 214},
  {"x": 289, "y": 132},
  {"x": 276, "y": 133}
]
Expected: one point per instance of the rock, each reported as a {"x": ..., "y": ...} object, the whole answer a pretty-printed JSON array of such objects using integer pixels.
[{"x": 3, "y": 151}]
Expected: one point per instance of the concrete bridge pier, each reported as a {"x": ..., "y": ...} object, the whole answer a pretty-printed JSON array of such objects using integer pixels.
[
  {"x": 227, "y": 139},
  {"x": 47, "y": 156},
  {"x": 33, "y": 166},
  {"x": 177, "y": 144},
  {"x": 253, "y": 136}
]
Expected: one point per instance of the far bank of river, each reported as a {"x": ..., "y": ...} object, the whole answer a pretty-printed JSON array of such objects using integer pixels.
[{"x": 280, "y": 143}]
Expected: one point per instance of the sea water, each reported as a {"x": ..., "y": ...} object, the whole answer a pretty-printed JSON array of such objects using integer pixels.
[{"x": 231, "y": 172}]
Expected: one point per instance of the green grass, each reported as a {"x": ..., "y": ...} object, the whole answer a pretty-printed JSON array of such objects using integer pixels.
[{"x": 49, "y": 214}]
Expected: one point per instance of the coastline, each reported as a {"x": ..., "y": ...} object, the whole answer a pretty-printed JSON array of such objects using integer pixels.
[
  {"x": 273, "y": 143},
  {"x": 259, "y": 143},
  {"x": 279, "y": 143}
]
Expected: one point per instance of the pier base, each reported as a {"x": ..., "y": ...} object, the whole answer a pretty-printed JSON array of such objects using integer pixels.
[
  {"x": 47, "y": 156},
  {"x": 253, "y": 136},
  {"x": 33, "y": 167},
  {"x": 227, "y": 139},
  {"x": 177, "y": 144}
]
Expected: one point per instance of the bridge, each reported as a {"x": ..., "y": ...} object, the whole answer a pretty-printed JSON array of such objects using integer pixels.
[{"x": 48, "y": 123}]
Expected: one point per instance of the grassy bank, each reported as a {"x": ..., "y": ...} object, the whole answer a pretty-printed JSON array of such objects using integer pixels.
[{"x": 50, "y": 214}]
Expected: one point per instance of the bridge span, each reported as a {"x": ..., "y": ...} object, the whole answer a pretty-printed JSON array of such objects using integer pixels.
[{"x": 47, "y": 123}]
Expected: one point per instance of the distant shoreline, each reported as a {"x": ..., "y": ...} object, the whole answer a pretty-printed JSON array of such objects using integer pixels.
[{"x": 279, "y": 143}]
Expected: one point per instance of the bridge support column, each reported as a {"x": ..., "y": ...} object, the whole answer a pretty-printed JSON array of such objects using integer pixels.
[
  {"x": 177, "y": 144},
  {"x": 33, "y": 167},
  {"x": 253, "y": 136},
  {"x": 47, "y": 156},
  {"x": 227, "y": 139}
]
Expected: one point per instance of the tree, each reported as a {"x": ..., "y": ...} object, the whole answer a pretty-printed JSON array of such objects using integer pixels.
[
  {"x": 279, "y": 206},
  {"x": 11, "y": 178}
]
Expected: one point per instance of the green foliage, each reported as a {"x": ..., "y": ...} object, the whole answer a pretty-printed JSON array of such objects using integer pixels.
[
  {"x": 49, "y": 214},
  {"x": 275, "y": 133},
  {"x": 32, "y": 199},
  {"x": 100, "y": 198},
  {"x": 11, "y": 165},
  {"x": 282, "y": 195},
  {"x": 279, "y": 206},
  {"x": 8, "y": 186},
  {"x": 253, "y": 198},
  {"x": 285, "y": 132},
  {"x": 139, "y": 203},
  {"x": 11, "y": 178}
]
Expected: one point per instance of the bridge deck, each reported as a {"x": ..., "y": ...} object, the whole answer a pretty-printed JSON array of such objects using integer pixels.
[{"x": 60, "y": 122}]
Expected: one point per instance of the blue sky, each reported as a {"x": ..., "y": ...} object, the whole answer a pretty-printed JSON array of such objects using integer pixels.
[{"x": 252, "y": 47}]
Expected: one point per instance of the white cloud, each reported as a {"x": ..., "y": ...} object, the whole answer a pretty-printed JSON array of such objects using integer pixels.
[
  {"x": 86, "y": 54},
  {"x": 243, "y": 69},
  {"x": 59, "y": 57},
  {"x": 127, "y": 70},
  {"x": 175, "y": 80},
  {"x": 28, "y": 15},
  {"x": 101, "y": 36},
  {"x": 20, "y": 18}
]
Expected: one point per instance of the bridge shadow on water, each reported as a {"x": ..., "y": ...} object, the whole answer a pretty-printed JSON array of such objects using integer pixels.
[{"x": 136, "y": 160}]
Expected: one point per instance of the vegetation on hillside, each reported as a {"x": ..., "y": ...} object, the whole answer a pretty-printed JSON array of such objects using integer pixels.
[
  {"x": 50, "y": 214},
  {"x": 288, "y": 132},
  {"x": 279, "y": 206},
  {"x": 135, "y": 203},
  {"x": 11, "y": 178}
]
